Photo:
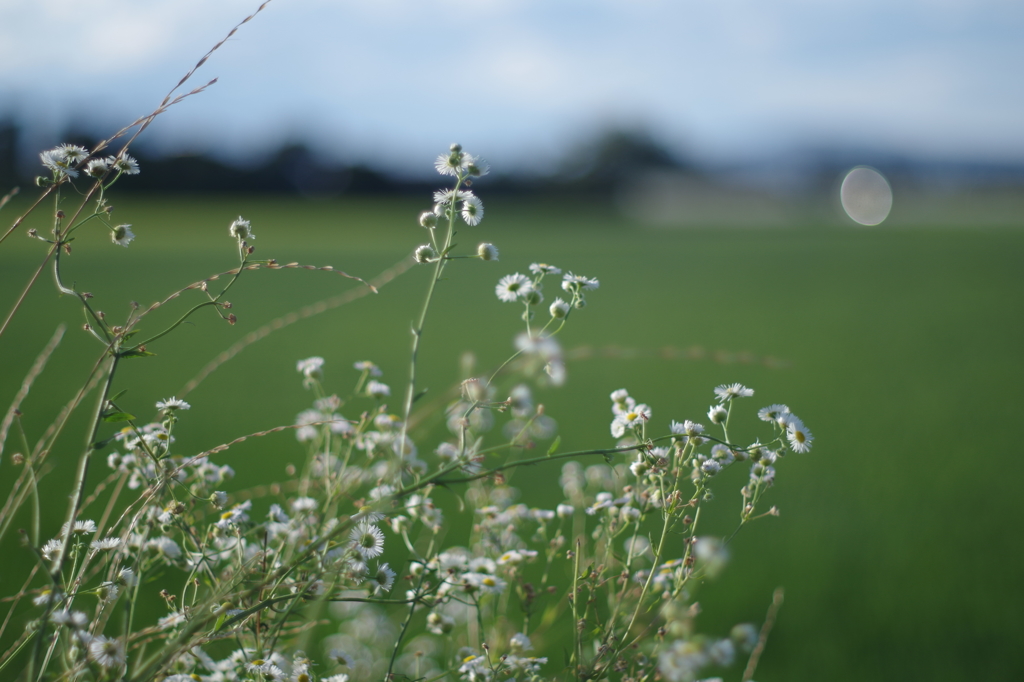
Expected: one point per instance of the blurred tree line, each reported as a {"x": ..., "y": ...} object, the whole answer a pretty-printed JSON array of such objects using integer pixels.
[{"x": 594, "y": 167}]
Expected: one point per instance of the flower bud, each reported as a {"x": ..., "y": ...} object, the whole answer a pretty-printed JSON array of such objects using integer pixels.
[
  {"x": 487, "y": 251},
  {"x": 717, "y": 414},
  {"x": 559, "y": 309},
  {"x": 428, "y": 219},
  {"x": 122, "y": 235},
  {"x": 425, "y": 253}
]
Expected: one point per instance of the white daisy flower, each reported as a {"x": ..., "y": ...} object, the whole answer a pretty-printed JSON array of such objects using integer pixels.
[
  {"x": 166, "y": 547},
  {"x": 520, "y": 642},
  {"x": 798, "y": 435},
  {"x": 564, "y": 510},
  {"x": 97, "y": 168},
  {"x": 45, "y": 596},
  {"x": 368, "y": 540},
  {"x": 107, "y": 592},
  {"x": 367, "y": 366},
  {"x": 571, "y": 282},
  {"x": 306, "y": 422},
  {"x": 55, "y": 160},
  {"x": 475, "y": 166},
  {"x": 107, "y": 652},
  {"x": 72, "y": 153},
  {"x": 340, "y": 426},
  {"x": 472, "y": 210},
  {"x": 105, "y": 544},
  {"x": 383, "y": 580},
  {"x": 126, "y": 164},
  {"x": 241, "y": 229},
  {"x": 376, "y": 389},
  {"x": 303, "y": 504},
  {"x": 511, "y": 287},
  {"x": 127, "y": 577},
  {"x": 772, "y": 412},
  {"x": 482, "y": 582},
  {"x": 311, "y": 368},
  {"x": 633, "y": 417},
  {"x": 75, "y": 619},
  {"x": 453, "y": 163},
  {"x": 172, "y": 404},
  {"x": 448, "y": 197},
  {"x": 340, "y": 657},
  {"x": 52, "y": 159},
  {"x": 723, "y": 454},
  {"x": 730, "y": 391},
  {"x": 81, "y": 527},
  {"x": 710, "y": 466},
  {"x": 722, "y": 653},
  {"x": 234, "y": 516},
  {"x": 51, "y": 549},
  {"x": 544, "y": 268},
  {"x": 273, "y": 672},
  {"x": 682, "y": 661},
  {"x": 440, "y": 624}
]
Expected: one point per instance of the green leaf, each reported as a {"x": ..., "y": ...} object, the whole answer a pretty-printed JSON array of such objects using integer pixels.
[
  {"x": 100, "y": 444},
  {"x": 117, "y": 395},
  {"x": 118, "y": 417},
  {"x": 136, "y": 353},
  {"x": 554, "y": 445}
]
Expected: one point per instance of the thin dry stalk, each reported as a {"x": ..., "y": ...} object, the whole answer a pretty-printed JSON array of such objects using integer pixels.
[
  {"x": 7, "y": 197},
  {"x": 201, "y": 284},
  {"x": 142, "y": 123},
  {"x": 293, "y": 317},
  {"x": 26, "y": 385},
  {"x": 762, "y": 639}
]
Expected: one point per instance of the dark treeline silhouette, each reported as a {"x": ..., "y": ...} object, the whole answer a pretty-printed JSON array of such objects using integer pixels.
[{"x": 595, "y": 168}]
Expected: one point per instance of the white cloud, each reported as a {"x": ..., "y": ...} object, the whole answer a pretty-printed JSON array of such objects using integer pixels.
[{"x": 392, "y": 74}]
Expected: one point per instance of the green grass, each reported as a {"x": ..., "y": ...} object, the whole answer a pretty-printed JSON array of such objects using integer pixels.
[{"x": 899, "y": 543}]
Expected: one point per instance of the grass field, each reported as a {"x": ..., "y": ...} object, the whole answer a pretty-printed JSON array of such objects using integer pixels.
[{"x": 899, "y": 543}]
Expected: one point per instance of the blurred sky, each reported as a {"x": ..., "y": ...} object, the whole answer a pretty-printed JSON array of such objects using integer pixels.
[{"x": 392, "y": 82}]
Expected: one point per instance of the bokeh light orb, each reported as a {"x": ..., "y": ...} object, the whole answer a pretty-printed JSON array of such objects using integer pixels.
[{"x": 866, "y": 196}]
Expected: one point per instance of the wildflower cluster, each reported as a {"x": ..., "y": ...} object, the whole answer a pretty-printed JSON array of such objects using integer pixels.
[
  {"x": 66, "y": 160},
  {"x": 355, "y": 566}
]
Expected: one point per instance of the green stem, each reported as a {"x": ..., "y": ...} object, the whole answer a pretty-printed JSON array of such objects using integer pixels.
[
  {"x": 417, "y": 332},
  {"x": 435, "y": 478},
  {"x": 408, "y": 617}
]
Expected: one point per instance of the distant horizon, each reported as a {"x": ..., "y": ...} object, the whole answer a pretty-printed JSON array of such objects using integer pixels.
[
  {"x": 799, "y": 160},
  {"x": 391, "y": 84}
]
